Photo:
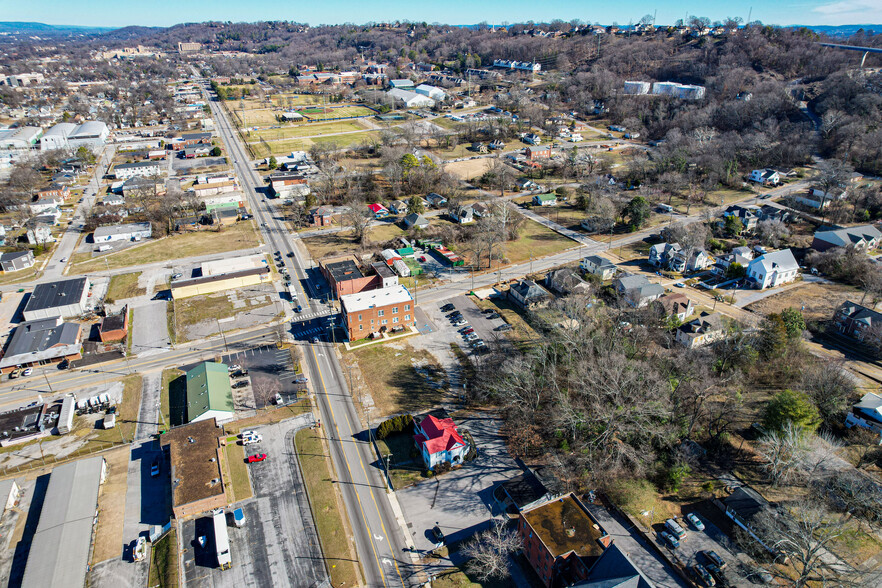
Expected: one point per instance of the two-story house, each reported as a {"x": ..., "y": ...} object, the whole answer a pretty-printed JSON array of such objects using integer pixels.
[
  {"x": 704, "y": 330},
  {"x": 438, "y": 440},
  {"x": 598, "y": 266},
  {"x": 772, "y": 269}
]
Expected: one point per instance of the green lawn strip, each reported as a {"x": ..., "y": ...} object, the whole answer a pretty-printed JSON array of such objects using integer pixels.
[
  {"x": 124, "y": 286},
  {"x": 326, "y": 508},
  {"x": 406, "y": 467},
  {"x": 172, "y": 394},
  {"x": 238, "y": 469},
  {"x": 164, "y": 561}
]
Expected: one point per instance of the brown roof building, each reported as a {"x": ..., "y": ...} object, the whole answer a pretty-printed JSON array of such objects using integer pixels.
[
  {"x": 562, "y": 541},
  {"x": 114, "y": 327},
  {"x": 196, "y": 465}
]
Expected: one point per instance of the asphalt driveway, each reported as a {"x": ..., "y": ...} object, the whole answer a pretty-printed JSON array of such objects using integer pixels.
[
  {"x": 461, "y": 502},
  {"x": 150, "y": 329}
]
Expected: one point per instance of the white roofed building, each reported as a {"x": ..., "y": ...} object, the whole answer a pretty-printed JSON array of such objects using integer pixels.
[{"x": 377, "y": 311}]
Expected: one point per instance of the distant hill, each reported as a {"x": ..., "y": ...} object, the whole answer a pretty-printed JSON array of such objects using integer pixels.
[
  {"x": 45, "y": 30},
  {"x": 842, "y": 30},
  {"x": 130, "y": 32}
]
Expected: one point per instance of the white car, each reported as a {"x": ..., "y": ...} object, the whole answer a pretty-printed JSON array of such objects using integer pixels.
[
  {"x": 27, "y": 372},
  {"x": 247, "y": 433},
  {"x": 251, "y": 439}
]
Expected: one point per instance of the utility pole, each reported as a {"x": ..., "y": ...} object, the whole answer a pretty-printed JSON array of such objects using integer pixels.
[{"x": 223, "y": 335}]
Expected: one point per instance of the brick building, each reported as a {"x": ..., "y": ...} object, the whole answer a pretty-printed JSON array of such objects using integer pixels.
[
  {"x": 562, "y": 541},
  {"x": 344, "y": 276},
  {"x": 377, "y": 311}
]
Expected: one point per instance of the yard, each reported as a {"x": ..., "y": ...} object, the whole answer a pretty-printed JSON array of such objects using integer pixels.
[
  {"x": 239, "y": 236},
  {"x": 470, "y": 168},
  {"x": 124, "y": 286},
  {"x": 341, "y": 243},
  {"x": 305, "y": 130},
  {"x": 340, "y": 112},
  {"x": 522, "y": 335},
  {"x": 173, "y": 394},
  {"x": 535, "y": 241},
  {"x": 112, "y": 505},
  {"x": 818, "y": 300},
  {"x": 326, "y": 508},
  {"x": 285, "y": 146},
  {"x": 400, "y": 378},
  {"x": 164, "y": 561},
  {"x": 405, "y": 464},
  {"x": 566, "y": 215},
  {"x": 240, "y": 483},
  {"x": 20, "y": 276}
]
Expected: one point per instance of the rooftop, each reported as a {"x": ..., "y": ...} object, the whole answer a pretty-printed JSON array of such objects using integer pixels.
[
  {"x": 40, "y": 340},
  {"x": 344, "y": 270},
  {"x": 195, "y": 470},
  {"x": 564, "y": 525},
  {"x": 208, "y": 388},
  {"x": 121, "y": 229},
  {"x": 375, "y": 298},
  {"x": 54, "y": 294},
  {"x": 209, "y": 279}
]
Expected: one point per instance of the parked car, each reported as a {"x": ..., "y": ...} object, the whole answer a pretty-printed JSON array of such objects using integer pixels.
[
  {"x": 447, "y": 307},
  {"x": 488, "y": 310},
  {"x": 154, "y": 469},
  {"x": 472, "y": 336},
  {"x": 247, "y": 433},
  {"x": 460, "y": 323},
  {"x": 674, "y": 528},
  {"x": 712, "y": 557},
  {"x": 467, "y": 330},
  {"x": 505, "y": 327},
  {"x": 301, "y": 380},
  {"x": 256, "y": 457},
  {"x": 695, "y": 521},
  {"x": 177, "y": 276},
  {"x": 669, "y": 539},
  {"x": 718, "y": 575},
  {"x": 493, "y": 315},
  {"x": 437, "y": 534},
  {"x": 240, "y": 373},
  {"x": 27, "y": 372},
  {"x": 251, "y": 439},
  {"x": 239, "y": 384},
  {"x": 278, "y": 399},
  {"x": 298, "y": 309},
  {"x": 703, "y": 575},
  {"x": 234, "y": 367},
  {"x": 679, "y": 285}
]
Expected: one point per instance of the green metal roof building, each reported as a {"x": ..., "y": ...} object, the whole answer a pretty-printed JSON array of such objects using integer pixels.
[{"x": 208, "y": 392}]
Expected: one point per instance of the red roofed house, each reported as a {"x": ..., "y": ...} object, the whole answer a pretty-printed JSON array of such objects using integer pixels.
[
  {"x": 379, "y": 210},
  {"x": 437, "y": 439}
]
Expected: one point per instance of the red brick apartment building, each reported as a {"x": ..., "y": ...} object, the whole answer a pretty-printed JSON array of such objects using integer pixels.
[
  {"x": 377, "y": 311},
  {"x": 562, "y": 541}
]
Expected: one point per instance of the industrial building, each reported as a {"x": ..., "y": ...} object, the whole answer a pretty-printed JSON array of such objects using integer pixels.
[
  {"x": 64, "y": 298},
  {"x": 20, "y": 138},
  {"x": 196, "y": 462},
  {"x": 208, "y": 393},
  {"x": 129, "y": 232},
  {"x": 41, "y": 341},
  {"x": 91, "y": 134},
  {"x": 224, "y": 274},
  {"x": 59, "y": 553}
]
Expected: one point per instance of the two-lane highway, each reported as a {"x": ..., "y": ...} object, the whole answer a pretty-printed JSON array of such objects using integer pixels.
[{"x": 378, "y": 537}]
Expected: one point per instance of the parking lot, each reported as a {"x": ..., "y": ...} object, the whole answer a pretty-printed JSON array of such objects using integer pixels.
[
  {"x": 484, "y": 327},
  {"x": 461, "y": 502},
  {"x": 270, "y": 372},
  {"x": 278, "y": 545}
]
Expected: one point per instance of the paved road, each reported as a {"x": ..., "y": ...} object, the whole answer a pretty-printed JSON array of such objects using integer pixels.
[
  {"x": 150, "y": 329},
  {"x": 378, "y": 537}
]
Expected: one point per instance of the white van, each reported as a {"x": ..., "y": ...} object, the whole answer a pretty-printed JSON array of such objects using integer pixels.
[{"x": 675, "y": 529}]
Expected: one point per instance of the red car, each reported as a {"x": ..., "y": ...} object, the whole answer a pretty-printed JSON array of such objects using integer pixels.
[{"x": 256, "y": 457}]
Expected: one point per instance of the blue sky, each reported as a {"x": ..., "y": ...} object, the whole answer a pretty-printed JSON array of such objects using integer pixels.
[{"x": 165, "y": 12}]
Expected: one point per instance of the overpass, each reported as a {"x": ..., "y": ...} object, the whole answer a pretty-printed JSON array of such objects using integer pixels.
[{"x": 865, "y": 50}]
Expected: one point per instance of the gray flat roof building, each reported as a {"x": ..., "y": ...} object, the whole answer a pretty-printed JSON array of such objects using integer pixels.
[
  {"x": 64, "y": 298},
  {"x": 59, "y": 554}
]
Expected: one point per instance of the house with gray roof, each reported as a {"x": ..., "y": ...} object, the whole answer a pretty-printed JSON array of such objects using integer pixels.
[
  {"x": 41, "y": 341},
  {"x": 598, "y": 266},
  {"x": 854, "y": 320},
  {"x": 415, "y": 220},
  {"x": 566, "y": 280},
  {"x": 637, "y": 290},
  {"x": 528, "y": 295},
  {"x": 772, "y": 269},
  {"x": 704, "y": 330},
  {"x": 16, "y": 260},
  {"x": 867, "y": 414},
  {"x": 864, "y": 237}
]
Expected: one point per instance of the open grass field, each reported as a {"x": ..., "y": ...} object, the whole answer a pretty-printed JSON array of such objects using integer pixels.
[
  {"x": 124, "y": 286},
  {"x": 400, "y": 378},
  {"x": 406, "y": 467},
  {"x": 470, "y": 168},
  {"x": 565, "y": 215},
  {"x": 538, "y": 241},
  {"x": 112, "y": 505},
  {"x": 818, "y": 300},
  {"x": 339, "y": 112},
  {"x": 239, "y": 236},
  {"x": 288, "y": 100},
  {"x": 305, "y": 130},
  {"x": 256, "y": 117},
  {"x": 283, "y": 147},
  {"x": 320, "y": 246},
  {"x": 331, "y": 524}
]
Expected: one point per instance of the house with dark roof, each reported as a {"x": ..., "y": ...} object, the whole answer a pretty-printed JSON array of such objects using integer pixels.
[
  {"x": 660, "y": 254},
  {"x": 438, "y": 440},
  {"x": 637, "y": 290},
  {"x": 598, "y": 266},
  {"x": 749, "y": 215},
  {"x": 854, "y": 320},
  {"x": 344, "y": 275},
  {"x": 864, "y": 237},
  {"x": 704, "y": 330},
  {"x": 677, "y": 306},
  {"x": 41, "y": 341},
  {"x": 16, "y": 260},
  {"x": 415, "y": 221},
  {"x": 614, "y": 569},
  {"x": 567, "y": 281},
  {"x": 525, "y": 491},
  {"x": 528, "y": 295},
  {"x": 867, "y": 414}
]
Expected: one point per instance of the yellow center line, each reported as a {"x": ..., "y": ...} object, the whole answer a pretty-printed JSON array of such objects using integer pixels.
[{"x": 345, "y": 461}]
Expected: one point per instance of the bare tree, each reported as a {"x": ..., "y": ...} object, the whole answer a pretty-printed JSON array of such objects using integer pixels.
[
  {"x": 772, "y": 232},
  {"x": 830, "y": 386},
  {"x": 358, "y": 217},
  {"x": 489, "y": 551},
  {"x": 782, "y": 453}
]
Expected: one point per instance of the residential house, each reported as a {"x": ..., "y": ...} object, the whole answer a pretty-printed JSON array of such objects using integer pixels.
[
  {"x": 766, "y": 177},
  {"x": 534, "y": 153},
  {"x": 532, "y": 139},
  {"x": 527, "y": 184},
  {"x": 661, "y": 254},
  {"x": 864, "y": 237},
  {"x": 599, "y": 266},
  {"x": 16, "y": 260},
  {"x": 704, "y": 330},
  {"x": 436, "y": 200},
  {"x": 416, "y": 221},
  {"x": 545, "y": 199},
  {"x": 867, "y": 414},
  {"x": 854, "y": 320},
  {"x": 562, "y": 540},
  {"x": 378, "y": 210},
  {"x": 325, "y": 216},
  {"x": 377, "y": 311},
  {"x": 741, "y": 255},
  {"x": 818, "y": 198},
  {"x": 567, "y": 281},
  {"x": 614, "y": 569},
  {"x": 742, "y": 506},
  {"x": 677, "y": 306},
  {"x": 690, "y": 260},
  {"x": 45, "y": 204},
  {"x": 462, "y": 214},
  {"x": 59, "y": 193},
  {"x": 438, "y": 440},
  {"x": 143, "y": 186},
  {"x": 40, "y": 234},
  {"x": 772, "y": 269},
  {"x": 478, "y": 147},
  {"x": 637, "y": 290},
  {"x": 496, "y": 145},
  {"x": 398, "y": 207},
  {"x": 481, "y": 209},
  {"x": 197, "y": 150},
  {"x": 749, "y": 215},
  {"x": 528, "y": 295}
]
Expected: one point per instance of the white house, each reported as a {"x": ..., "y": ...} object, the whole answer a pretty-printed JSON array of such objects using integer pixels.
[
  {"x": 598, "y": 266},
  {"x": 129, "y": 232},
  {"x": 437, "y": 439},
  {"x": 124, "y": 171},
  {"x": 867, "y": 414},
  {"x": 766, "y": 177},
  {"x": 39, "y": 235},
  {"x": 410, "y": 99},
  {"x": 44, "y": 204},
  {"x": 773, "y": 269}
]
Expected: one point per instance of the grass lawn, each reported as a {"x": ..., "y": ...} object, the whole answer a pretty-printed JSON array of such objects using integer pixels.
[
  {"x": 386, "y": 232},
  {"x": 327, "y": 510},
  {"x": 240, "y": 482},
  {"x": 286, "y": 100},
  {"x": 172, "y": 393},
  {"x": 304, "y": 130},
  {"x": 400, "y": 378},
  {"x": 406, "y": 466},
  {"x": 164, "y": 561},
  {"x": 267, "y": 417},
  {"x": 522, "y": 335},
  {"x": 341, "y": 111},
  {"x": 19, "y": 276},
  {"x": 564, "y": 215},
  {"x": 538, "y": 241},
  {"x": 239, "y": 236},
  {"x": 286, "y": 146},
  {"x": 124, "y": 286},
  {"x": 340, "y": 243}
]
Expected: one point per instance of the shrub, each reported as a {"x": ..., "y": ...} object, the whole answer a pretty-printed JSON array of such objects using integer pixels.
[{"x": 396, "y": 424}]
